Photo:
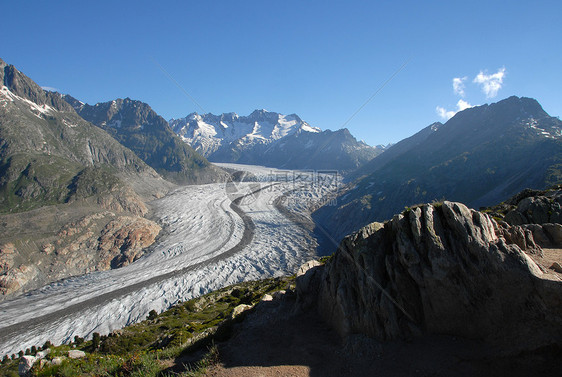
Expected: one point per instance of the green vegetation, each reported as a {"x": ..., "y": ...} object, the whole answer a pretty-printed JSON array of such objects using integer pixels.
[
  {"x": 33, "y": 181},
  {"x": 161, "y": 344}
]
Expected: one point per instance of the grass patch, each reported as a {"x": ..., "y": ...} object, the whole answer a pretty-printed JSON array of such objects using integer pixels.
[{"x": 149, "y": 347}]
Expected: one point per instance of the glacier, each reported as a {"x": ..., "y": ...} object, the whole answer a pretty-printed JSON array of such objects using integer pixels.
[{"x": 213, "y": 235}]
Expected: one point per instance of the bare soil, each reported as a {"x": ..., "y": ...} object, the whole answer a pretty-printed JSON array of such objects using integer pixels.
[{"x": 275, "y": 341}]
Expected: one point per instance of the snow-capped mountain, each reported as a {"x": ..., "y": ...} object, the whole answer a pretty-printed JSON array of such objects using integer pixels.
[
  {"x": 273, "y": 139},
  {"x": 207, "y": 133}
]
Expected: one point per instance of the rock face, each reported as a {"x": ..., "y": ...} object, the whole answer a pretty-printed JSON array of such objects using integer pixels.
[
  {"x": 124, "y": 239},
  {"x": 25, "y": 365},
  {"x": 439, "y": 269},
  {"x": 76, "y": 354},
  {"x": 95, "y": 242}
]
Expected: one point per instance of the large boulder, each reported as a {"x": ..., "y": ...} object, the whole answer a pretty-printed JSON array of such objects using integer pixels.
[
  {"x": 441, "y": 269},
  {"x": 538, "y": 208}
]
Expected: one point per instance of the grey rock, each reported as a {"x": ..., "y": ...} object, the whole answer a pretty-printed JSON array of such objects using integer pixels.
[
  {"x": 76, "y": 354},
  {"x": 521, "y": 236},
  {"x": 536, "y": 209},
  {"x": 25, "y": 365},
  {"x": 239, "y": 310},
  {"x": 307, "y": 283},
  {"x": 43, "y": 354},
  {"x": 515, "y": 217},
  {"x": 539, "y": 235},
  {"x": 440, "y": 270},
  {"x": 554, "y": 232},
  {"x": 267, "y": 298}
]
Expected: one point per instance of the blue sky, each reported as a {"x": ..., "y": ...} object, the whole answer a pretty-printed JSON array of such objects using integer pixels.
[{"x": 321, "y": 60}]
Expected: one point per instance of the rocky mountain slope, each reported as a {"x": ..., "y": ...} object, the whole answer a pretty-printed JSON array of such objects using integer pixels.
[
  {"x": 481, "y": 156},
  {"x": 64, "y": 183},
  {"x": 135, "y": 125},
  {"x": 272, "y": 139}
]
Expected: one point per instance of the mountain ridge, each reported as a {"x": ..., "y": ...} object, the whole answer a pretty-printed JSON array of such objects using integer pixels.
[
  {"x": 480, "y": 156},
  {"x": 272, "y": 139},
  {"x": 137, "y": 126}
]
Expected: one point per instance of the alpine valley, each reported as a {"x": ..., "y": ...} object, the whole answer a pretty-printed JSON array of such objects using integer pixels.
[{"x": 228, "y": 245}]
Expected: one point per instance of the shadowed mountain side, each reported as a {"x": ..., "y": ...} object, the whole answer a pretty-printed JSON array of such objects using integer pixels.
[{"x": 481, "y": 156}]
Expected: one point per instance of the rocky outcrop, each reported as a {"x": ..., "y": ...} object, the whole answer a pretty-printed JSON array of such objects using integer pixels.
[
  {"x": 124, "y": 239},
  {"x": 95, "y": 242},
  {"x": 440, "y": 269},
  {"x": 540, "y": 208},
  {"x": 538, "y": 213}
]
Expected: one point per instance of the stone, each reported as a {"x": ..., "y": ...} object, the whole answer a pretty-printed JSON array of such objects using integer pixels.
[
  {"x": 556, "y": 267},
  {"x": 306, "y": 282},
  {"x": 43, "y": 354},
  {"x": 56, "y": 360},
  {"x": 76, "y": 354},
  {"x": 25, "y": 365},
  {"x": 515, "y": 217},
  {"x": 554, "y": 232},
  {"x": 520, "y": 235},
  {"x": 307, "y": 266},
  {"x": 239, "y": 310},
  {"x": 539, "y": 208},
  {"x": 267, "y": 297},
  {"x": 539, "y": 235}
]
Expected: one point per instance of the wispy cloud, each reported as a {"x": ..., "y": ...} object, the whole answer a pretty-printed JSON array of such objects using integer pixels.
[
  {"x": 490, "y": 84},
  {"x": 448, "y": 114},
  {"x": 458, "y": 85},
  {"x": 49, "y": 88}
]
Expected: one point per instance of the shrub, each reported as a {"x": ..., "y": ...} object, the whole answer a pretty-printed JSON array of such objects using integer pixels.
[
  {"x": 152, "y": 315},
  {"x": 96, "y": 340}
]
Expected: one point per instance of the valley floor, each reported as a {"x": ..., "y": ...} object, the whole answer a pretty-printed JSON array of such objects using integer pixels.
[{"x": 207, "y": 243}]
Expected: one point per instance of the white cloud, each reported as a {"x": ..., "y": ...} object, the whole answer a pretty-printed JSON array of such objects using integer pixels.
[
  {"x": 458, "y": 85},
  {"x": 446, "y": 115},
  {"x": 443, "y": 113},
  {"x": 463, "y": 105},
  {"x": 49, "y": 88},
  {"x": 490, "y": 84}
]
